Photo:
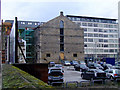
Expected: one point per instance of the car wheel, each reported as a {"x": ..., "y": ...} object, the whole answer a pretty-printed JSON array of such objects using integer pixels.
[
  {"x": 91, "y": 79},
  {"x": 111, "y": 78},
  {"x": 76, "y": 69},
  {"x": 82, "y": 76}
]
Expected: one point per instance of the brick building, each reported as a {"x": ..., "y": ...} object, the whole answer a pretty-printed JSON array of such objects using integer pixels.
[{"x": 59, "y": 39}]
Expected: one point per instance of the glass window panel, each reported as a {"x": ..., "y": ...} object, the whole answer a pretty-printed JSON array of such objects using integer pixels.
[
  {"x": 90, "y": 24},
  {"x": 90, "y": 40},
  {"x": 100, "y": 35},
  {"x": 90, "y": 35},
  {"x": 95, "y": 35},
  {"x": 105, "y": 35},
  {"x": 84, "y": 24}
]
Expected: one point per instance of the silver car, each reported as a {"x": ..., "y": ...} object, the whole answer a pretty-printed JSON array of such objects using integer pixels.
[
  {"x": 55, "y": 75},
  {"x": 113, "y": 74}
]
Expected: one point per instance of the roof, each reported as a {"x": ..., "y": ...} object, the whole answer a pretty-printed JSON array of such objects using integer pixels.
[{"x": 91, "y": 17}]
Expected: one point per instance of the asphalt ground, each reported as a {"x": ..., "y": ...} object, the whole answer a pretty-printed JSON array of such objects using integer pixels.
[{"x": 71, "y": 75}]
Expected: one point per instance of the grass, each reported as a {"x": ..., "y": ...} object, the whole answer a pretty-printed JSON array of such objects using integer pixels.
[{"x": 13, "y": 77}]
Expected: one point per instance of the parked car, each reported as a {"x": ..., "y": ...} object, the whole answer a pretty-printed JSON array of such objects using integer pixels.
[
  {"x": 116, "y": 67},
  {"x": 93, "y": 74},
  {"x": 98, "y": 66},
  {"x": 107, "y": 66},
  {"x": 81, "y": 62},
  {"x": 51, "y": 64},
  {"x": 113, "y": 74},
  {"x": 59, "y": 66},
  {"x": 91, "y": 65},
  {"x": 81, "y": 67},
  {"x": 73, "y": 62},
  {"x": 55, "y": 75},
  {"x": 67, "y": 63}
]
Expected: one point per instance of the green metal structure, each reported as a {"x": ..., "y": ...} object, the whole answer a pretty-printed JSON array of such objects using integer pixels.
[{"x": 27, "y": 35}]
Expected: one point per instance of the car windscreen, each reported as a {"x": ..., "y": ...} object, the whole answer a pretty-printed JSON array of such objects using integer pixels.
[
  {"x": 58, "y": 65},
  {"x": 55, "y": 73},
  {"x": 82, "y": 65},
  {"x": 55, "y": 70},
  {"x": 67, "y": 62}
]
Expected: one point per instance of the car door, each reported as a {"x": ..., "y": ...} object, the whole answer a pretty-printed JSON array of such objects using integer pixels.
[
  {"x": 89, "y": 74},
  {"x": 108, "y": 73}
]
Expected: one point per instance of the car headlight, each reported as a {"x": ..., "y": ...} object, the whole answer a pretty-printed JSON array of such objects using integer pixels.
[
  {"x": 95, "y": 74},
  {"x": 49, "y": 78}
]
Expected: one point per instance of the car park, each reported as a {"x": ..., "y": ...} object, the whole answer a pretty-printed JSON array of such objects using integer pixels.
[
  {"x": 81, "y": 67},
  {"x": 67, "y": 63},
  {"x": 113, "y": 74},
  {"x": 93, "y": 74},
  {"x": 73, "y": 62},
  {"x": 55, "y": 75}
]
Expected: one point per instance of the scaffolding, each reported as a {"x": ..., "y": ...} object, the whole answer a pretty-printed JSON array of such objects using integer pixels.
[{"x": 27, "y": 35}]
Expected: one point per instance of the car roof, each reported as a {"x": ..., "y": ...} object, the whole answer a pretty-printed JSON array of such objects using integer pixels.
[{"x": 54, "y": 68}]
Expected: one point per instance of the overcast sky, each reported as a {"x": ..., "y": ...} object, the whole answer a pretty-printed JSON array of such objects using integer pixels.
[{"x": 44, "y": 10}]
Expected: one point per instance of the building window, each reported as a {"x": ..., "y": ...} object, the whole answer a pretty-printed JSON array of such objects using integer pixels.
[
  {"x": 106, "y": 31},
  {"x": 84, "y": 24},
  {"x": 29, "y": 23},
  {"x": 75, "y": 55},
  {"x": 85, "y": 34},
  {"x": 85, "y": 29},
  {"x": 90, "y": 35},
  {"x": 100, "y": 35},
  {"x": 106, "y": 50},
  {"x": 105, "y": 35},
  {"x": 61, "y": 39},
  {"x": 61, "y": 24},
  {"x": 111, "y": 50},
  {"x": 95, "y": 30},
  {"x": 105, "y": 45},
  {"x": 90, "y": 24},
  {"x": 85, "y": 45},
  {"x": 105, "y": 40},
  {"x": 61, "y": 31},
  {"x": 95, "y": 25},
  {"x": 22, "y": 22},
  {"x": 95, "y": 35},
  {"x": 100, "y": 40},
  {"x": 85, "y": 39},
  {"x": 90, "y": 40},
  {"x": 48, "y": 55},
  {"x": 100, "y": 30},
  {"x": 61, "y": 47}
]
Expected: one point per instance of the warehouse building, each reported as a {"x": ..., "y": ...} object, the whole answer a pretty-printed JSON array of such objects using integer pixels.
[{"x": 59, "y": 39}]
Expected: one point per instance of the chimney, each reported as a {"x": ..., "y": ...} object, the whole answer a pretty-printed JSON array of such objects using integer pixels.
[{"x": 61, "y": 13}]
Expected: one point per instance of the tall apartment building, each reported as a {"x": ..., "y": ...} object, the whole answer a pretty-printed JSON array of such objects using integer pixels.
[
  {"x": 119, "y": 25},
  {"x": 100, "y": 36}
]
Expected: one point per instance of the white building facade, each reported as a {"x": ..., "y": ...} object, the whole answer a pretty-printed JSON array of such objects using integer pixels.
[{"x": 100, "y": 36}]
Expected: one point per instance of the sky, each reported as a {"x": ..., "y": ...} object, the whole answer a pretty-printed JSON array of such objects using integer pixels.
[{"x": 45, "y": 10}]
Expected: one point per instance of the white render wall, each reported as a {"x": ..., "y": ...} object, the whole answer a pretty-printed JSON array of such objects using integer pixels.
[{"x": 97, "y": 47}]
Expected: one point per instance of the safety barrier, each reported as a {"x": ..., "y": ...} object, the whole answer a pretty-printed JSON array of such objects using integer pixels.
[
  {"x": 85, "y": 81},
  {"x": 76, "y": 82}
]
